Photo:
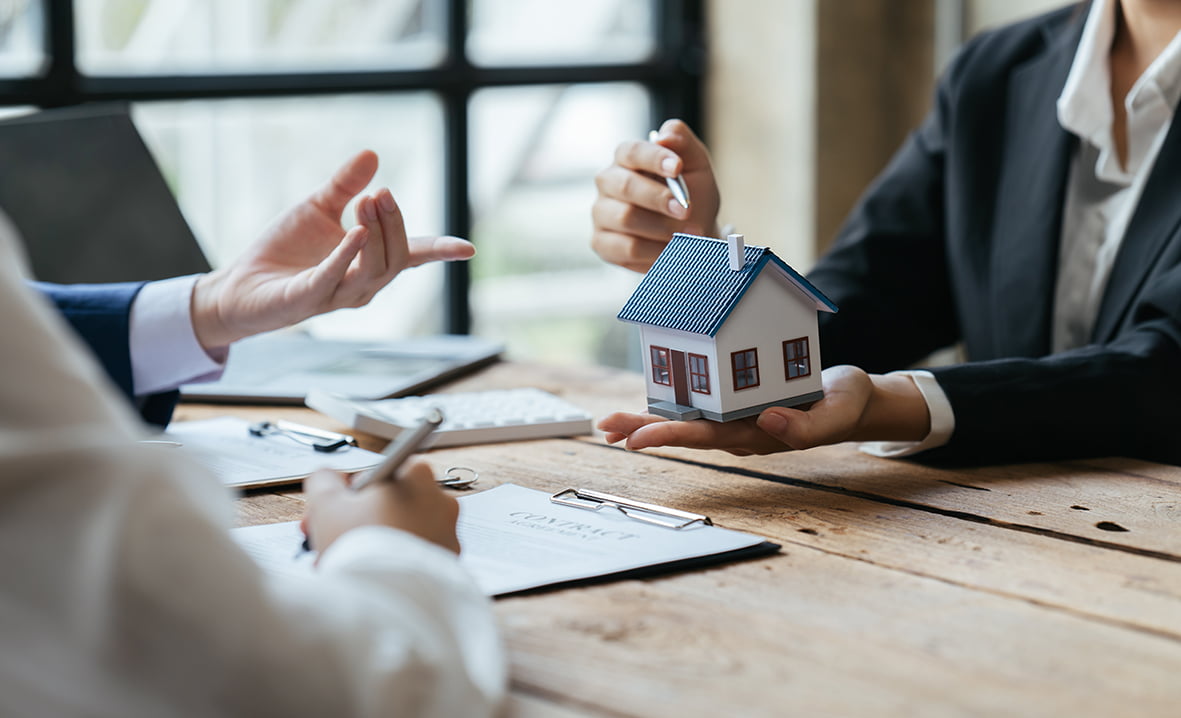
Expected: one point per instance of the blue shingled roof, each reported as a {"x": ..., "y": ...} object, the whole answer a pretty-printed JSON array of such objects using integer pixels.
[{"x": 692, "y": 288}]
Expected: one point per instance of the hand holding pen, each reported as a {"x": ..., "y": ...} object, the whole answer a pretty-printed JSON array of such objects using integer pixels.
[
  {"x": 406, "y": 499},
  {"x": 676, "y": 184},
  {"x": 655, "y": 187}
]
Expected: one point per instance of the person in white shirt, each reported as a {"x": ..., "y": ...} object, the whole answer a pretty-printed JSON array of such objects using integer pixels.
[
  {"x": 1032, "y": 219},
  {"x": 125, "y": 596},
  {"x": 153, "y": 337}
]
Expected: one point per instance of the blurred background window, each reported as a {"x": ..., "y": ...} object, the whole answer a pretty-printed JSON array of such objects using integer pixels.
[
  {"x": 142, "y": 37},
  {"x": 545, "y": 32},
  {"x": 491, "y": 118},
  {"x": 21, "y": 50},
  {"x": 537, "y": 285},
  {"x": 236, "y": 164}
]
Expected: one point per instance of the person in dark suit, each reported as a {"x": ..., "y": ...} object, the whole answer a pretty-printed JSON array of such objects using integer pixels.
[
  {"x": 304, "y": 264},
  {"x": 1032, "y": 218}
]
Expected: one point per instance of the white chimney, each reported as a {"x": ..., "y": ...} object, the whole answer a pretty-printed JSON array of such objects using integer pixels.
[{"x": 737, "y": 247}]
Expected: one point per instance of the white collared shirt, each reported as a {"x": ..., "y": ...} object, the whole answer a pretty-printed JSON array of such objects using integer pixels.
[
  {"x": 165, "y": 352},
  {"x": 1101, "y": 196},
  {"x": 126, "y": 597}
]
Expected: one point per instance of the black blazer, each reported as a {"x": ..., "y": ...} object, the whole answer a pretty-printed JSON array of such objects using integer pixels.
[
  {"x": 99, "y": 314},
  {"x": 958, "y": 241}
]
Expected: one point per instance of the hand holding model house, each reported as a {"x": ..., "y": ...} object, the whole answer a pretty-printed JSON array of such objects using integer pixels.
[{"x": 729, "y": 334}]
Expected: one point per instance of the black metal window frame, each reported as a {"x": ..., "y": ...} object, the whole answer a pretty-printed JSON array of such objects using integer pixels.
[{"x": 672, "y": 76}]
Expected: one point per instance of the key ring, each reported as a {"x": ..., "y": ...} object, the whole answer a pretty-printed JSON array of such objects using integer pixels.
[{"x": 459, "y": 477}]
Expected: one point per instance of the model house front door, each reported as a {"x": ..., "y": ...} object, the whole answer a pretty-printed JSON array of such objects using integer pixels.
[{"x": 680, "y": 372}]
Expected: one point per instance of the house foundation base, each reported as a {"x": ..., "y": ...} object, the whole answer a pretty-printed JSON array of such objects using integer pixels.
[
  {"x": 670, "y": 410},
  {"x": 680, "y": 412}
]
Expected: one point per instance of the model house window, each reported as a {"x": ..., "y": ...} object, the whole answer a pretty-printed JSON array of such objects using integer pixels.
[
  {"x": 746, "y": 368},
  {"x": 699, "y": 373},
  {"x": 796, "y": 361},
  {"x": 660, "y": 372}
]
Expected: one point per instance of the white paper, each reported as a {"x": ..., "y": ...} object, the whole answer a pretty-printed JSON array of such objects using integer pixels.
[
  {"x": 226, "y": 447},
  {"x": 513, "y": 539},
  {"x": 277, "y": 548}
]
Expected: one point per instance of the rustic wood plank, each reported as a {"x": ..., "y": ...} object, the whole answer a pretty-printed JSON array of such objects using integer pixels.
[
  {"x": 523, "y": 705},
  {"x": 266, "y": 507},
  {"x": 902, "y": 590},
  {"x": 1117, "y": 501},
  {"x": 810, "y": 633},
  {"x": 1136, "y": 591},
  {"x": 1132, "y": 589}
]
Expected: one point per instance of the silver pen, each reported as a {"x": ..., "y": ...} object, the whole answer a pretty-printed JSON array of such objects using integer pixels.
[
  {"x": 676, "y": 184},
  {"x": 399, "y": 450}
]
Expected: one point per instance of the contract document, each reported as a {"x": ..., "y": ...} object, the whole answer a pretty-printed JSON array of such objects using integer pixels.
[{"x": 515, "y": 539}]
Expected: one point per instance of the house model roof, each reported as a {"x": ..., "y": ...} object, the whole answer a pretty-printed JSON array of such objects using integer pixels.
[{"x": 691, "y": 287}]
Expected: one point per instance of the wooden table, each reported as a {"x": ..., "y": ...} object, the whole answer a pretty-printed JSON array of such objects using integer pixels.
[{"x": 1031, "y": 590}]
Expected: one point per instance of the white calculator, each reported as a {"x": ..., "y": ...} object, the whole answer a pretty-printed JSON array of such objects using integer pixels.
[{"x": 478, "y": 417}]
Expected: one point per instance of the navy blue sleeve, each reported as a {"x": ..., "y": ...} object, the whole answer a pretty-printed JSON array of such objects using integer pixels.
[{"x": 100, "y": 314}]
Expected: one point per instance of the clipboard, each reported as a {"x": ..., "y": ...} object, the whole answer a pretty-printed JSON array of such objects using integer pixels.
[
  {"x": 243, "y": 455},
  {"x": 517, "y": 540},
  {"x": 637, "y": 510},
  {"x": 653, "y": 514}
]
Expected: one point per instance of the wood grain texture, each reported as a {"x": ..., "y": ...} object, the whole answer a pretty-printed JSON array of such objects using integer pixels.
[
  {"x": 900, "y": 589},
  {"x": 1121, "y": 502}
]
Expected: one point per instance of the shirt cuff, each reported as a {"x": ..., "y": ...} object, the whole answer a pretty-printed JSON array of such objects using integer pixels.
[
  {"x": 381, "y": 550},
  {"x": 942, "y": 421},
  {"x": 165, "y": 352}
]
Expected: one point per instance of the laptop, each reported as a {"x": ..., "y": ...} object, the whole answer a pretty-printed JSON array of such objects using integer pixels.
[
  {"x": 282, "y": 367},
  {"x": 92, "y": 206}
]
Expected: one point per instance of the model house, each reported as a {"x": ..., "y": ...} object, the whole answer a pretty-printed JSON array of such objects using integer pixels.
[{"x": 726, "y": 330}]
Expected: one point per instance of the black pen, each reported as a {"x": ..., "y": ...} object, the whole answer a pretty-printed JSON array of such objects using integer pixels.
[{"x": 395, "y": 454}]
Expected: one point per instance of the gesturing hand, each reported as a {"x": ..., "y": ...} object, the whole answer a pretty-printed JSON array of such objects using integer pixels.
[
  {"x": 856, "y": 406},
  {"x": 305, "y": 264}
]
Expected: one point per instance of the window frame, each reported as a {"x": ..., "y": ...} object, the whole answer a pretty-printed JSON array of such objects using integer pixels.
[
  {"x": 703, "y": 374},
  {"x": 672, "y": 75},
  {"x": 655, "y": 351},
  {"x": 806, "y": 356},
  {"x": 749, "y": 367}
]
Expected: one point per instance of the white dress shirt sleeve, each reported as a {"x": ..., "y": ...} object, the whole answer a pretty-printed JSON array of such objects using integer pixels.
[
  {"x": 165, "y": 352},
  {"x": 942, "y": 421},
  {"x": 130, "y": 599}
]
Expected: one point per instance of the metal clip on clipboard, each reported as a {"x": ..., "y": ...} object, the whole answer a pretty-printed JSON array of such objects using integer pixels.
[
  {"x": 648, "y": 513},
  {"x": 318, "y": 439}
]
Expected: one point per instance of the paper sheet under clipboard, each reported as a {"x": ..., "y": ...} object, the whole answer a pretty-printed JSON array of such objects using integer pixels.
[
  {"x": 515, "y": 539},
  {"x": 225, "y": 447}
]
